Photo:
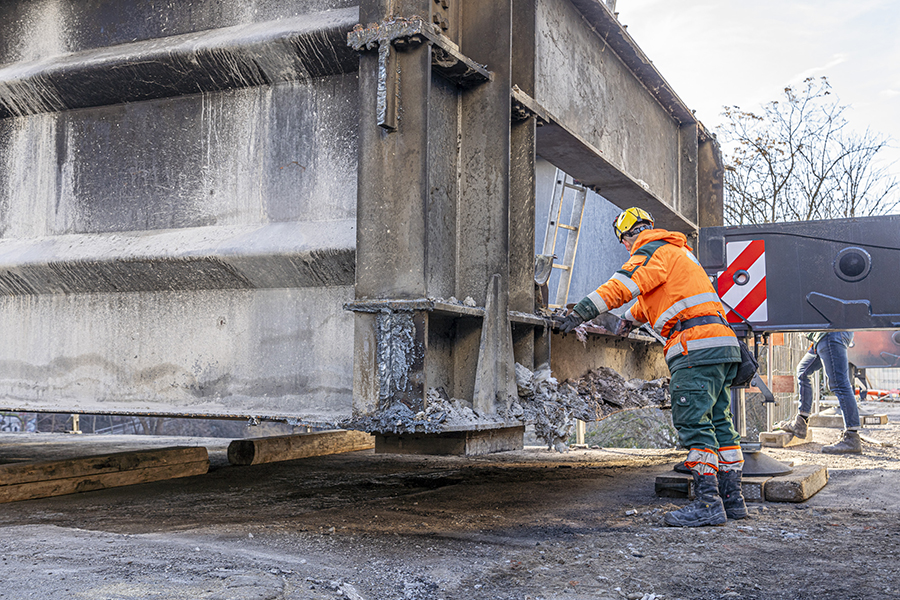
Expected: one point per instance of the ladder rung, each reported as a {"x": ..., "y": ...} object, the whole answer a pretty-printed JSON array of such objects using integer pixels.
[
  {"x": 563, "y": 267},
  {"x": 572, "y": 186},
  {"x": 569, "y": 227}
]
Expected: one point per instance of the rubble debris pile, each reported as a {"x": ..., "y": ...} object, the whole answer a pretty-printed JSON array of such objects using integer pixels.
[
  {"x": 550, "y": 406},
  {"x": 441, "y": 413},
  {"x": 553, "y": 407},
  {"x": 614, "y": 393}
]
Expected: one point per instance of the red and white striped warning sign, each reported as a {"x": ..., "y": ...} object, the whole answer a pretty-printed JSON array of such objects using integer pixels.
[{"x": 742, "y": 285}]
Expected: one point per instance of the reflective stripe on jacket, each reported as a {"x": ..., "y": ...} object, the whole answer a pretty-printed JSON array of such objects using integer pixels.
[{"x": 670, "y": 286}]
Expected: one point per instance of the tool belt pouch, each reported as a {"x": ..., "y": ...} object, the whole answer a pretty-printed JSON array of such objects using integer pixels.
[{"x": 747, "y": 369}]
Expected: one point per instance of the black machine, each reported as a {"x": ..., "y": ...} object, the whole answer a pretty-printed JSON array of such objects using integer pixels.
[{"x": 829, "y": 275}]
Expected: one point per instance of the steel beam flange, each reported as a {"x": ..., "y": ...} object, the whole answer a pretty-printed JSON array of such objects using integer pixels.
[
  {"x": 418, "y": 304},
  {"x": 524, "y": 107},
  {"x": 240, "y": 56},
  {"x": 441, "y": 307},
  {"x": 403, "y": 33}
]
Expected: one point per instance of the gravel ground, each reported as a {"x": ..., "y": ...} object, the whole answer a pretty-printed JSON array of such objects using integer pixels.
[{"x": 522, "y": 525}]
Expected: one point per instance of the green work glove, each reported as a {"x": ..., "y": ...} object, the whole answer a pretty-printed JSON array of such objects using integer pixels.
[{"x": 572, "y": 320}]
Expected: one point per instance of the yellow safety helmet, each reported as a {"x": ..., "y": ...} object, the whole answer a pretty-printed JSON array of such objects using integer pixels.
[{"x": 629, "y": 219}]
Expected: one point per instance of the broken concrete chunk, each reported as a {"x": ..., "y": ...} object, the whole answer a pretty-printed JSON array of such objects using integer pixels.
[{"x": 552, "y": 407}]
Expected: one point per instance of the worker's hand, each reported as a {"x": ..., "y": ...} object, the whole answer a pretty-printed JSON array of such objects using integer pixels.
[{"x": 572, "y": 320}]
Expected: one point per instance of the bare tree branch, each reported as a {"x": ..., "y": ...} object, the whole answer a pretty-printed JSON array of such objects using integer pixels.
[{"x": 797, "y": 161}]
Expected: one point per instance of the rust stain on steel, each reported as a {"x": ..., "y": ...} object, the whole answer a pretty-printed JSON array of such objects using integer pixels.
[
  {"x": 376, "y": 306},
  {"x": 399, "y": 32},
  {"x": 395, "y": 335},
  {"x": 402, "y": 32},
  {"x": 391, "y": 30}
]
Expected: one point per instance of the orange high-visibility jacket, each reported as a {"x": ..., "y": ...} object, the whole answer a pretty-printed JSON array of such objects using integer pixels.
[{"x": 670, "y": 286}]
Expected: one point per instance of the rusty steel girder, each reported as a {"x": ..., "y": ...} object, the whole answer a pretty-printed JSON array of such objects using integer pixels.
[{"x": 307, "y": 214}]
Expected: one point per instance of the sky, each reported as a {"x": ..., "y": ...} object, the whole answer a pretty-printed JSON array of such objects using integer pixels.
[{"x": 745, "y": 52}]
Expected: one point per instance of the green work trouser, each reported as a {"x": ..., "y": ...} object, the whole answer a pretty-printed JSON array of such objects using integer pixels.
[{"x": 701, "y": 406}]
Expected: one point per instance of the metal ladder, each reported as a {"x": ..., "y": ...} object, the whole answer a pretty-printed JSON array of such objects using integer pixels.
[{"x": 572, "y": 230}]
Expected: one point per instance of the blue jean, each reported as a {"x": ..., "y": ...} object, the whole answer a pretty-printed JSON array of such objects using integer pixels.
[{"x": 830, "y": 353}]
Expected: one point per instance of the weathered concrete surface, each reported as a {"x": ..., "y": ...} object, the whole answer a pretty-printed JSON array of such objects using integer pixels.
[
  {"x": 206, "y": 352},
  {"x": 205, "y": 61},
  {"x": 36, "y": 30},
  {"x": 192, "y": 161},
  {"x": 188, "y": 254},
  {"x": 274, "y": 255},
  {"x": 632, "y": 358}
]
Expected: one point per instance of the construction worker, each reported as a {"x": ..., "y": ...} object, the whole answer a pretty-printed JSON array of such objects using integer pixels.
[
  {"x": 675, "y": 295},
  {"x": 828, "y": 350}
]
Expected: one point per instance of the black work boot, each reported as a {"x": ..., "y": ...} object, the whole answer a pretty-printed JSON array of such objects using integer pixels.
[
  {"x": 796, "y": 426},
  {"x": 706, "y": 509},
  {"x": 849, "y": 444},
  {"x": 730, "y": 492}
]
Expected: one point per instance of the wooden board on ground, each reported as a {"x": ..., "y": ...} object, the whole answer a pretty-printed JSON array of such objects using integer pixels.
[
  {"x": 797, "y": 486},
  {"x": 680, "y": 485},
  {"x": 827, "y": 421},
  {"x": 874, "y": 419},
  {"x": 23, "y": 481},
  {"x": 16, "y": 473},
  {"x": 782, "y": 439},
  {"x": 290, "y": 447}
]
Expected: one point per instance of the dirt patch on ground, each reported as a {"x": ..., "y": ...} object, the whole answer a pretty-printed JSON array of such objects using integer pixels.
[{"x": 532, "y": 524}]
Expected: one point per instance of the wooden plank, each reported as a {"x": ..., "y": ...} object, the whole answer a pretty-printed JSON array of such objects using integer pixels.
[
  {"x": 754, "y": 488},
  {"x": 679, "y": 485},
  {"x": 874, "y": 419},
  {"x": 674, "y": 485},
  {"x": 798, "y": 486},
  {"x": 87, "y": 483},
  {"x": 290, "y": 447},
  {"x": 19, "y": 473},
  {"x": 783, "y": 439}
]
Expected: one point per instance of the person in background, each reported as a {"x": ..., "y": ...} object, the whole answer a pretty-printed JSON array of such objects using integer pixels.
[
  {"x": 675, "y": 295},
  {"x": 828, "y": 351}
]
